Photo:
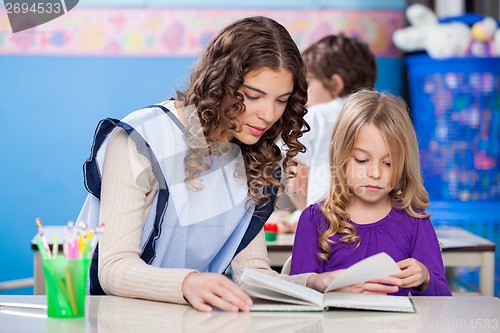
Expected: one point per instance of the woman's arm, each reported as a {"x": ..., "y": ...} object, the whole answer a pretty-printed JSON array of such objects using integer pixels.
[
  {"x": 128, "y": 189},
  {"x": 297, "y": 187}
]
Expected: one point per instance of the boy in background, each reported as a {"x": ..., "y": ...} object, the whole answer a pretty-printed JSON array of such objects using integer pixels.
[{"x": 336, "y": 67}]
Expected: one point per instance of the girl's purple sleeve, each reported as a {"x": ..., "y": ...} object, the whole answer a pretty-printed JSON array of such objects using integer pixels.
[
  {"x": 305, "y": 245},
  {"x": 426, "y": 250}
]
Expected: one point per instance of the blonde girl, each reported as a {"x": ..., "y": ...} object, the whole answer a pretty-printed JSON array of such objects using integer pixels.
[{"x": 376, "y": 203}]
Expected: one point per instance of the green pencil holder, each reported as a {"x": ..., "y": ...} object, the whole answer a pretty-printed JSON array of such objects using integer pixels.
[{"x": 66, "y": 286}]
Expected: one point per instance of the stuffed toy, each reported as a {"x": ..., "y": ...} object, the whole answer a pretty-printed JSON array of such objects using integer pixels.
[
  {"x": 449, "y": 39},
  {"x": 485, "y": 38},
  {"x": 425, "y": 33}
]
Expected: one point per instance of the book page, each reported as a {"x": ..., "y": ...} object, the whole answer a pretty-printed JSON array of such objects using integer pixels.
[
  {"x": 267, "y": 294},
  {"x": 254, "y": 278},
  {"x": 373, "y": 267},
  {"x": 369, "y": 302}
]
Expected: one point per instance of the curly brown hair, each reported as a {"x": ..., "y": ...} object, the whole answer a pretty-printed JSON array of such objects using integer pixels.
[
  {"x": 390, "y": 114},
  {"x": 349, "y": 58},
  {"x": 246, "y": 45}
]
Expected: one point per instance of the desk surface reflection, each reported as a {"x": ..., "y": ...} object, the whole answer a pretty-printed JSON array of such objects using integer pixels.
[{"x": 109, "y": 314}]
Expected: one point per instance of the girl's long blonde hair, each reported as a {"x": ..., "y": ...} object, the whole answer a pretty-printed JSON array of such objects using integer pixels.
[{"x": 391, "y": 116}]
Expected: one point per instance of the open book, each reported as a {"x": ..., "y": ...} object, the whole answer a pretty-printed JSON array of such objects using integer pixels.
[{"x": 273, "y": 294}]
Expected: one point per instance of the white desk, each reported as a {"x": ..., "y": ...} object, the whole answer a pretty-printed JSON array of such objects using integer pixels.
[
  {"x": 460, "y": 248},
  {"x": 109, "y": 314},
  {"x": 464, "y": 249}
]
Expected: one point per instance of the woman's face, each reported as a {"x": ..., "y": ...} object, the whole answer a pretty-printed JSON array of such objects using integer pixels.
[{"x": 266, "y": 94}]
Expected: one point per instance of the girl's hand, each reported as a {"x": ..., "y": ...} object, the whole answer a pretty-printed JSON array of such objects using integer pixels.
[
  {"x": 206, "y": 290},
  {"x": 414, "y": 274},
  {"x": 384, "y": 285}
]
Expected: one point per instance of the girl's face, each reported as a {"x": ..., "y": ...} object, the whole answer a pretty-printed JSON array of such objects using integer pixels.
[
  {"x": 317, "y": 93},
  {"x": 368, "y": 168},
  {"x": 266, "y": 94}
]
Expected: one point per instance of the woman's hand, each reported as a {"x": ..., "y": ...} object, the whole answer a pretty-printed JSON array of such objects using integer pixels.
[
  {"x": 206, "y": 290},
  {"x": 386, "y": 285},
  {"x": 414, "y": 274}
]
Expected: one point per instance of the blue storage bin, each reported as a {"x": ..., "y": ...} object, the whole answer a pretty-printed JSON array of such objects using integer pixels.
[{"x": 455, "y": 106}]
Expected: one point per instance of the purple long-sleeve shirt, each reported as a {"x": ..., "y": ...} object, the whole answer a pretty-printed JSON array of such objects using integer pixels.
[{"x": 398, "y": 234}]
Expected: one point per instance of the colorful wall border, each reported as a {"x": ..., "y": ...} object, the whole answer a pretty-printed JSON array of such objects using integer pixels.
[
  {"x": 351, "y": 4},
  {"x": 185, "y": 31}
]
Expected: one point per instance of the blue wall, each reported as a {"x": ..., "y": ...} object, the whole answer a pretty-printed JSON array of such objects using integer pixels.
[{"x": 49, "y": 107}]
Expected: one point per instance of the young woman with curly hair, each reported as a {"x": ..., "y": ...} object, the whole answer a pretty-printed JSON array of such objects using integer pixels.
[{"x": 185, "y": 186}]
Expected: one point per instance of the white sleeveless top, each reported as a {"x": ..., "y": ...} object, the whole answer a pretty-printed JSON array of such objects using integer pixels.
[{"x": 199, "y": 229}]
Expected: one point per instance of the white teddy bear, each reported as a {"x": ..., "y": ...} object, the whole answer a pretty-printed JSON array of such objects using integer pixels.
[{"x": 425, "y": 33}]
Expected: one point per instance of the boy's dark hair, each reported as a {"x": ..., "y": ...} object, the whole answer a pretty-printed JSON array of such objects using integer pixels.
[{"x": 349, "y": 58}]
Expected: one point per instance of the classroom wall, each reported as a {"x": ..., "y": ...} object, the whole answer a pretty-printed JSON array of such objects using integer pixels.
[{"x": 108, "y": 58}]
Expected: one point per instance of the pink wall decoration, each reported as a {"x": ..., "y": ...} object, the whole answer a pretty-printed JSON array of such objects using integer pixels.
[{"x": 185, "y": 31}]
